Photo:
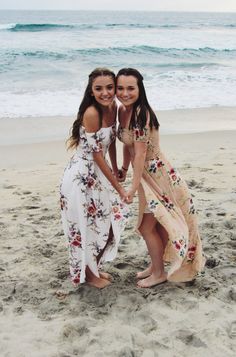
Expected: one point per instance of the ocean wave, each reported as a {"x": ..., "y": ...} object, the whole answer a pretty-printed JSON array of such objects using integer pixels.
[
  {"x": 17, "y": 27},
  {"x": 33, "y": 27},
  {"x": 110, "y": 51}
]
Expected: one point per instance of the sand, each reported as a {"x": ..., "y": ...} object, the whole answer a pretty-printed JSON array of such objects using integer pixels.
[{"x": 188, "y": 319}]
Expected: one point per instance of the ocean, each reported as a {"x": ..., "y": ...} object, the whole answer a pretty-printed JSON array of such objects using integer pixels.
[{"x": 188, "y": 60}]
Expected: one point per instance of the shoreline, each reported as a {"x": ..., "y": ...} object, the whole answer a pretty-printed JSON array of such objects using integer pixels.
[
  {"x": 28, "y": 130},
  {"x": 55, "y": 152}
]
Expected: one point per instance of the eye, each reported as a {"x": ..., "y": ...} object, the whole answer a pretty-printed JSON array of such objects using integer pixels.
[
  {"x": 119, "y": 88},
  {"x": 98, "y": 88},
  {"x": 110, "y": 87}
]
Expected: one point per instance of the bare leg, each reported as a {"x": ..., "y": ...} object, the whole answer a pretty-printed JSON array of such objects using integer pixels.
[
  {"x": 164, "y": 237},
  {"x": 104, "y": 275},
  {"x": 155, "y": 248},
  {"x": 144, "y": 273},
  {"x": 163, "y": 234}
]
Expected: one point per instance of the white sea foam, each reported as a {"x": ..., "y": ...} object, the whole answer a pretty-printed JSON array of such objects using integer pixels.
[{"x": 188, "y": 61}]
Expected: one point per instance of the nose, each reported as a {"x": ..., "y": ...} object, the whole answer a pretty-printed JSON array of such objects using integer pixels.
[
  {"x": 105, "y": 92},
  {"x": 125, "y": 93}
]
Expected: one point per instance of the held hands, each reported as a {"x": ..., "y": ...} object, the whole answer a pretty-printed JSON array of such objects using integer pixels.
[
  {"x": 130, "y": 196},
  {"x": 126, "y": 197}
]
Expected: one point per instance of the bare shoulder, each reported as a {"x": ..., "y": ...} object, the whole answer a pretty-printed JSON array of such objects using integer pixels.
[{"x": 91, "y": 119}]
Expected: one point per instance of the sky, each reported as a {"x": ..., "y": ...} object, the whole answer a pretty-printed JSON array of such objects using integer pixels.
[{"x": 148, "y": 5}]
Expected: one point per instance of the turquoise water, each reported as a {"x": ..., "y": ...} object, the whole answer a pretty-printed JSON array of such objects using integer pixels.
[{"x": 188, "y": 60}]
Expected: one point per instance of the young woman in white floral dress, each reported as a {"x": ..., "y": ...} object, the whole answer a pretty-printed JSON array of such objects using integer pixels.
[
  {"x": 167, "y": 218},
  {"x": 93, "y": 213}
]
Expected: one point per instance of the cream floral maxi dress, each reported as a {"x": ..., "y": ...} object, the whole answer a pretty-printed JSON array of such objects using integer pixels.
[
  {"x": 90, "y": 206},
  {"x": 164, "y": 193}
]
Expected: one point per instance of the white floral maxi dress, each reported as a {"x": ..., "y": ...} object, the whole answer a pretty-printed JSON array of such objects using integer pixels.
[{"x": 90, "y": 207}]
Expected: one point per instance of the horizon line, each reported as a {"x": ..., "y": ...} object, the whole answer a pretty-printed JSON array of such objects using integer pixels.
[{"x": 124, "y": 10}]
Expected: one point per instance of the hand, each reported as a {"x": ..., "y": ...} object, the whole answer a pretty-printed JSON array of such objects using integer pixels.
[
  {"x": 130, "y": 196},
  {"x": 123, "y": 194}
]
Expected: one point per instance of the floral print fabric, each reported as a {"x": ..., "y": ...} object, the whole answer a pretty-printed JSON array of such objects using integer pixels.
[
  {"x": 90, "y": 207},
  {"x": 164, "y": 193}
]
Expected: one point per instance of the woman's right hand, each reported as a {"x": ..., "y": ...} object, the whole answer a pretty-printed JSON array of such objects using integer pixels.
[{"x": 123, "y": 194}]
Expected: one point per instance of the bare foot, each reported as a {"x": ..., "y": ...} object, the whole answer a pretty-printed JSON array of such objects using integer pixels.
[
  {"x": 152, "y": 280},
  {"x": 145, "y": 273},
  {"x": 98, "y": 282},
  {"x": 106, "y": 276}
]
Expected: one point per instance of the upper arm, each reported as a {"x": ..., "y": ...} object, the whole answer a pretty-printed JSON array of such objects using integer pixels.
[
  {"x": 91, "y": 120},
  {"x": 121, "y": 110}
]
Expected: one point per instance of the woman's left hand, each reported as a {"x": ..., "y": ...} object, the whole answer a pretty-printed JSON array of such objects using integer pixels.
[{"x": 129, "y": 196}]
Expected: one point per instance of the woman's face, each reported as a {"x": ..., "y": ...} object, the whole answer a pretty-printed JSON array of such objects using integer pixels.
[
  {"x": 127, "y": 90},
  {"x": 103, "y": 90}
]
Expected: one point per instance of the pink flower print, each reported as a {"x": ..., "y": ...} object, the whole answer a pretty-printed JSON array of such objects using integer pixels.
[
  {"x": 165, "y": 198},
  {"x": 76, "y": 280},
  {"x": 177, "y": 245},
  {"x": 191, "y": 252},
  {"x": 90, "y": 182},
  {"x": 92, "y": 210},
  {"x": 76, "y": 241}
]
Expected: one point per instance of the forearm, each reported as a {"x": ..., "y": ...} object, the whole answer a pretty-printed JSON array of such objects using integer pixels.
[
  {"x": 126, "y": 157},
  {"x": 100, "y": 161},
  {"x": 113, "y": 157}
]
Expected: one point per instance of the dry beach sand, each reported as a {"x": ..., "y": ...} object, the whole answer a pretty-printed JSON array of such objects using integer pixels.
[{"x": 192, "y": 319}]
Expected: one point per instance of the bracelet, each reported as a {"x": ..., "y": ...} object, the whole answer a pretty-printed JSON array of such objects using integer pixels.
[{"x": 124, "y": 168}]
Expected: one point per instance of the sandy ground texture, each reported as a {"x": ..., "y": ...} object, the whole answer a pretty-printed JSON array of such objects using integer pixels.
[{"x": 187, "y": 319}]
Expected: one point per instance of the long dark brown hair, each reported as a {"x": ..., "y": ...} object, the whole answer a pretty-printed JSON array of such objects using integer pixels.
[
  {"x": 87, "y": 101},
  {"x": 141, "y": 107}
]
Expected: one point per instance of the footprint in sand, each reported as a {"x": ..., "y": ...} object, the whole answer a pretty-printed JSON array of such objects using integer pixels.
[
  {"x": 31, "y": 207},
  {"x": 46, "y": 252},
  {"x": 9, "y": 187},
  {"x": 229, "y": 224},
  {"x": 193, "y": 183},
  {"x": 190, "y": 339},
  {"x": 232, "y": 330},
  {"x": 122, "y": 266},
  {"x": 232, "y": 294},
  {"x": 212, "y": 263}
]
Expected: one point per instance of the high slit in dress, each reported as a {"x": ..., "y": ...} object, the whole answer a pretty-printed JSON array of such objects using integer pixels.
[
  {"x": 90, "y": 207},
  {"x": 164, "y": 193}
]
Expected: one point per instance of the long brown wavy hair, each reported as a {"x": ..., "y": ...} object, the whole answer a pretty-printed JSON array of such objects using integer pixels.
[
  {"x": 141, "y": 106},
  {"x": 87, "y": 101}
]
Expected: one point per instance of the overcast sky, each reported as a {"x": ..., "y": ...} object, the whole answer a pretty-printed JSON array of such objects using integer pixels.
[{"x": 162, "y": 5}]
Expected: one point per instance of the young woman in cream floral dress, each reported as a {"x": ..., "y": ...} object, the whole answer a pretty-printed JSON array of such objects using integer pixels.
[{"x": 167, "y": 217}]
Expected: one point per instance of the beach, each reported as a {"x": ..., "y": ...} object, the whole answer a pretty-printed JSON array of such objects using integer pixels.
[{"x": 42, "y": 314}]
